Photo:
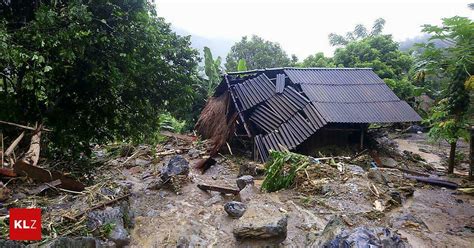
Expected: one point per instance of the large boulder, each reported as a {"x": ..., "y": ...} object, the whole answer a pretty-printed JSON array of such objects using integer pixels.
[
  {"x": 262, "y": 222},
  {"x": 366, "y": 237},
  {"x": 176, "y": 166}
]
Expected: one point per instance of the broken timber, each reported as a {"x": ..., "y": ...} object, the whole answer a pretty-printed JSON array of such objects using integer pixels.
[{"x": 218, "y": 189}]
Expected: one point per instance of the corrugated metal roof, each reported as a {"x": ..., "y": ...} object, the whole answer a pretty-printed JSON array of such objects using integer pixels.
[
  {"x": 339, "y": 76},
  {"x": 285, "y": 117},
  {"x": 371, "y": 112},
  {"x": 349, "y": 95}
]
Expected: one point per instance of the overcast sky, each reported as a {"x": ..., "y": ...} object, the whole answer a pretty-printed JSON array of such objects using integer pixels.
[{"x": 302, "y": 27}]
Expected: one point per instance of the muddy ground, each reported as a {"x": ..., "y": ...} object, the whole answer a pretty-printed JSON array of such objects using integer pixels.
[{"x": 178, "y": 213}]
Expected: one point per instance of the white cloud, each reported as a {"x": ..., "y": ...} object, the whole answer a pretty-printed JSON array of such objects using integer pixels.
[{"x": 302, "y": 27}]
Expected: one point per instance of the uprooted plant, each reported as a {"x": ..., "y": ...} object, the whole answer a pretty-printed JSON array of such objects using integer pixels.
[{"x": 281, "y": 170}]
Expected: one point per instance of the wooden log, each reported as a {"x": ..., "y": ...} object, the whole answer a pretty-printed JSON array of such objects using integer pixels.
[
  {"x": 223, "y": 190},
  {"x": 13, "y": 145},
  {"x": 23, "y": 126},
  {"x": 435, "y": 181}
]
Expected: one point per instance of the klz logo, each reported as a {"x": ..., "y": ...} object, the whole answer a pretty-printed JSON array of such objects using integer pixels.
[{"x": 25, "y": 224}]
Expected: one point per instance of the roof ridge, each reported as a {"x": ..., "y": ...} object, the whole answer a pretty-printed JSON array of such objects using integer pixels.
[{"x": 326, "y": 68}]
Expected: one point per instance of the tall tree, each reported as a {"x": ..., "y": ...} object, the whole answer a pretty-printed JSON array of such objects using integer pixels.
[
  {"x": 257, "y": 53},
  {"x": 360, "y": 32},
  {"x": 94, "y": 71},
  {"x": 449, "y": 119}
]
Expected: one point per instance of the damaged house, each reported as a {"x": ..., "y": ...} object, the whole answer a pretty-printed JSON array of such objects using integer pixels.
[{"x": 294, "y": 108}]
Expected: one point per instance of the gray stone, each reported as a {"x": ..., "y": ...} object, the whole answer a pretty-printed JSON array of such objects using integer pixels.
[
  {"x": 335, "y": 225},
  {"x": 244, "y": 181},
  {"x": 10, "y": 244},
  {"x": 261, "y": 222},
  {"x": 78, "y": 242},
  {"x": 194, "y": 153},
  {"x": 110, "y": 216},
  {"x": 388, "y": 162},
  {"x": 176, "y": 166},
  {"x": 366, "y": 237},
  {"x": 235, "y": 209}
]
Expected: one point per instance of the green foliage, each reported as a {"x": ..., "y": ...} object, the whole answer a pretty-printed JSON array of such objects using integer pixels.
[
  {"x": 317, "y": 60},
  {"x": 404, "y": 88},
  {"x": 454, "y": 65},
  {"x": 242, "y": 66},
  {"x": 360, "y": 32},
  {"x": 212, "y": 68},
  {"x": 94, "y": 72},
  {"x": 281, "y": 170},
  {"x": 257, "y": 53},
  {"x": 170, "y": 123}
]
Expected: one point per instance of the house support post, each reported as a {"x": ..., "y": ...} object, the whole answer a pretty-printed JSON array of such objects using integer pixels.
[
  {"x": 237, "y": 108},
  {"x": 362, "y": 137}
]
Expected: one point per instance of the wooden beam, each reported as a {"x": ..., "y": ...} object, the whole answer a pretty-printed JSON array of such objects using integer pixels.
[{"x": 218, "y": 189}]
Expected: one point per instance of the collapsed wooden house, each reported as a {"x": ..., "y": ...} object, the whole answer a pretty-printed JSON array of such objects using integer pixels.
[{"x": 286, "y": 108}]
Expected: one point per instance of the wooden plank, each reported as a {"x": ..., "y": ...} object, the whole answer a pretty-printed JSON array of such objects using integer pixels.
[{"x": 218, "y": 189}]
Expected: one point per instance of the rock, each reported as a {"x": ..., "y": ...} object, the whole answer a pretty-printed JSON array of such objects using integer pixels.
[
  {"x": 388, "y": 162},
  {"x": 414, "y": 129},
  {"x": 262, "y": 222},
  {"x": 176, "y": 166},
  {"x": 244, "y": 181},
  {"x": 334, "y": 226},
  {"x": 194, "y": 153},
  {"x": 235, "y": 209},
  {"x": 366, "y": 237},
  {"x": 11, "y": 244},
  {"x": 110, "y": 216},
  {"x": 252, "y": 169},
  {"x": 77, "y": 242}
]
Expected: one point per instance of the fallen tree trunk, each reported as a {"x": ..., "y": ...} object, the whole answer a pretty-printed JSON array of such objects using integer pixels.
[{"x": 435, "y": 181}]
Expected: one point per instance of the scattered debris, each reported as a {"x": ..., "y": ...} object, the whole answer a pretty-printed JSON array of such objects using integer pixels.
[
  {"x": 44, "y": 187},
  {"x": 23, "y": 168}
]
